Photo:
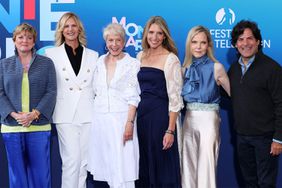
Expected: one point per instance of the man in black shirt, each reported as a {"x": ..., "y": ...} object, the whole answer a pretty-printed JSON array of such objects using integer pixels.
[{"x": 256, "y": 93}]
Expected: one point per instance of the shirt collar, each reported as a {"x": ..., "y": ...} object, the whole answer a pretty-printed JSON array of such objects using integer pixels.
[{"x": 251, "y": 60}]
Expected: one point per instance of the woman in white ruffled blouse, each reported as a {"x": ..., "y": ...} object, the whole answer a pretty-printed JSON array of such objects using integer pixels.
[{"x": 114, "y": 153}]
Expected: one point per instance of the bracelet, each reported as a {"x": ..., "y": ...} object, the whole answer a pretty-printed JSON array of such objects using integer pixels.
[
  {"x": 37, "y": 113},
  {"x": 131, "y": 121},
  {"x": 170, "y": 132}
]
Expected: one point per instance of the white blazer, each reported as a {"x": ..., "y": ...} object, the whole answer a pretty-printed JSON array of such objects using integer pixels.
[{"x": 75, "y": 96}]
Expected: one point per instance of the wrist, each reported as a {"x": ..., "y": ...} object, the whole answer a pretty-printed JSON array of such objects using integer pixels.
[
  {"x": 130, "y": 121},
  {"x": 168, "y": 131},
  {"x": 35, "y": 114}
]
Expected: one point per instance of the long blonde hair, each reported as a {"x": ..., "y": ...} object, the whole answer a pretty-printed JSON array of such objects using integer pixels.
[
  {"x": 59, "y": 38},
  {"x": 194, "y": 31},
  {"x": 168, "y": 42}
]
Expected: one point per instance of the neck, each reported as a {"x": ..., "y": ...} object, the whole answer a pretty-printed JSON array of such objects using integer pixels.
[
  {"x": 73, "y": 44},
  {"x": 157, "y": 51},
  {"x": 115, "y": 57},
  {"x": 25, "y": 56}
]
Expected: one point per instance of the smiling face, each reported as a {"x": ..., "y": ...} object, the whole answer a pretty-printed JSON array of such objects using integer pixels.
[
  {"x": 199, "y": 45},
  {"x": 24, "y": 42},
  {"x": 247, "y": 44},
  {"x": 155, "y": 36},
  {"x": 115, "y": 44},
  {"x": 71, "y": 31}
]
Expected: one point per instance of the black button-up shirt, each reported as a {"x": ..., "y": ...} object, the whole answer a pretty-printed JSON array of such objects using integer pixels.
[{"x": 75, "y": 59}]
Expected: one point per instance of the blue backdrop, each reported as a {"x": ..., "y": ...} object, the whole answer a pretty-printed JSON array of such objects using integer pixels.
[{"x": 218, "y": 15}]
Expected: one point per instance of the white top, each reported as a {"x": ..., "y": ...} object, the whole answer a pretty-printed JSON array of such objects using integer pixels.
[{"x": 123, "y": 88}]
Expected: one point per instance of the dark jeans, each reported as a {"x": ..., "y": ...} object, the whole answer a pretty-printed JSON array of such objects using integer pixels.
[{"x": 259, "y": 168}]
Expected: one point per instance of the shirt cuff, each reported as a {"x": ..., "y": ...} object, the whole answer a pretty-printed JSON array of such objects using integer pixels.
[{"x": 278, "y": 141}]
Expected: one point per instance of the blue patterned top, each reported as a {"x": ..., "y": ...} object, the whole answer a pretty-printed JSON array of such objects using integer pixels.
[{"x": 199, "y": 83}]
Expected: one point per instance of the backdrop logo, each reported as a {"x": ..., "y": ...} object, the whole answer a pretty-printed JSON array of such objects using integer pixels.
[
  {"x": 133, "y": 32},
  {"x": 225, "y": 16},
  {"x": 221, "y": 34},
  {"x": 12, "y": 14}
]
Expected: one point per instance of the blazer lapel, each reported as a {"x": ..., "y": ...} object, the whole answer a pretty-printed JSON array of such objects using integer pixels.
[{"x": 66, "y": 65}]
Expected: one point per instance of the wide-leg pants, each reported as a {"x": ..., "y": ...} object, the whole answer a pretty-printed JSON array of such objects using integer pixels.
[
  {"x": 73, "y": 146},
  {"x": 201, "y": 142},
  {"x": 28, "y": 156}
]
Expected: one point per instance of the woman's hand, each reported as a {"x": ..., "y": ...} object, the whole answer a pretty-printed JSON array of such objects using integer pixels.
[
  {"x": 24, "y": 118},
  {"x": 128, "y": 132},
  {"x": 168, "y": 140}
]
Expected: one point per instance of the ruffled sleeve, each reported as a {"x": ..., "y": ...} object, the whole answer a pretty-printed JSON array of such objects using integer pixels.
[{"x": 174, "y": 82}]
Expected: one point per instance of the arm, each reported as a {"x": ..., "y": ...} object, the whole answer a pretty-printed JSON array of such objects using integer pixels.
[
  {"x": 47, "y": 103},
  {"x": 221, "y": 77},
  {"x": 275, "y": 88},
  {"x": 174, "y": 82},
  {"x": 128, "y": 132},
  {"x": 131, "y": 93}
]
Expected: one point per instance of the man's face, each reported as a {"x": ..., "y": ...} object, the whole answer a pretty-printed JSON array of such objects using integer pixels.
[{"x": 247, "y": 44}]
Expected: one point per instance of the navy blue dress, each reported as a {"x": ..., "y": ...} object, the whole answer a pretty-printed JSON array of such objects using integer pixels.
[{"x": 158, "y": 167}]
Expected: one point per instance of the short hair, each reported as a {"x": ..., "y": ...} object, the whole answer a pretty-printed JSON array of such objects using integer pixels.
[
  {"x": 191, "y": 34},
  {"x": 59, "y": 38},
  {"x": 115, "y": 29},
  {"x": 168, "y": 42},
  {"x": 239, "y": 29},
  {"x": 24, "y": 27}
]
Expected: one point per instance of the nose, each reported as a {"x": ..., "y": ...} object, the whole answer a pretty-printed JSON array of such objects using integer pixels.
[{"x": 25, "y": 39}]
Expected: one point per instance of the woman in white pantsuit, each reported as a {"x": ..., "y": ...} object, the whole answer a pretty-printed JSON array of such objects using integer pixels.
[
  {"x": 74, "y": 64},
  {"x": 203, "y": 75},
  {"x": 114, "y": 153}
]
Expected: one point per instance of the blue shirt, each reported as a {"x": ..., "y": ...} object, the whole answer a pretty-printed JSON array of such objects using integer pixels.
[
  {"x": 199, "y": 83},
  {"x": 245, "y": 67}
]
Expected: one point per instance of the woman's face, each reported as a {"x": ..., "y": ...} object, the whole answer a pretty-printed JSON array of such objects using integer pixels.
[
  {"x": 155, "y": 36},
  {"x": 24, "y": 42},
  {"x": 71, "y": 31},
  {"x": 199, "y": 45},
  {"x": 115, "y": 44}
]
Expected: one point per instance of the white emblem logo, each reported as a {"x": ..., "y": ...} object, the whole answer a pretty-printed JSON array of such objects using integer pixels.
[{"x": 225, "y": 16}]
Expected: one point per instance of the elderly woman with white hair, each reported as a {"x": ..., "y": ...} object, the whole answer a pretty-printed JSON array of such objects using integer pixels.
[{"x": 113, "y": 152}]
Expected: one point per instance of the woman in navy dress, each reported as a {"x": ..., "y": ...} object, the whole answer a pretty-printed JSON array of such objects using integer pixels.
[{"x": 160, "y": 82}]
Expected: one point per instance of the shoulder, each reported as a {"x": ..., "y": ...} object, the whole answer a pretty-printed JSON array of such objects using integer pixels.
[
  {"x": 172, "y": 58},
  {"x": 131, "y": 60},
  {"x": 91, "y": 52},
  {"x": 139, "y": 55},
  {"x": 42, "y": 58},
  {"x": 8, "y": 59},
  {"x": 266, "y": 64},
  {"x": 53, "y": 49},
  {"x": 218, "y": 66}
]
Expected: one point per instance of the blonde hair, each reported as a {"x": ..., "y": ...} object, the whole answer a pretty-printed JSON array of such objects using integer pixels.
[
  {"x": 115, "y": 29},
  {"x": 168, "y": 42},
  {"x": 192, "y": 33},
  {"x": 24, "y": 27},
  {"x": 59, "y": 38}
]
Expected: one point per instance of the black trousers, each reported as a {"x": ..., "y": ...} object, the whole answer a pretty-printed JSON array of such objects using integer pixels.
[{"x": 259, "y": 168}]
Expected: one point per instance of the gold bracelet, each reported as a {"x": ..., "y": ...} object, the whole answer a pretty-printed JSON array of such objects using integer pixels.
[
  {"x": 131, "y": 121},
  {"x": 37, "y": 113},
  {"x": 170, "y": 132}
]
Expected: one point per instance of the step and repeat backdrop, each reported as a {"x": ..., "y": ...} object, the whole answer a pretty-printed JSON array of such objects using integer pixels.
[{"x": 218, "y": 15}]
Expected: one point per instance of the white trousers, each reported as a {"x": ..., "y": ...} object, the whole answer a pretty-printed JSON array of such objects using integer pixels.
[
  {"x": 129, "y": 184},
  {"x": 201, "y": 141},
  {"x": 73, "y": 144}
]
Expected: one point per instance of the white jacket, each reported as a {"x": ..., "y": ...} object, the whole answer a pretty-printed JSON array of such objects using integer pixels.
[
  {"x": 123, "y": 88},
  {"x": 75, "y": 97}
]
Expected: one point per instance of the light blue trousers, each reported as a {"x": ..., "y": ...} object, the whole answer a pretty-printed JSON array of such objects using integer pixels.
[{"x": 28, "y": 157}]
